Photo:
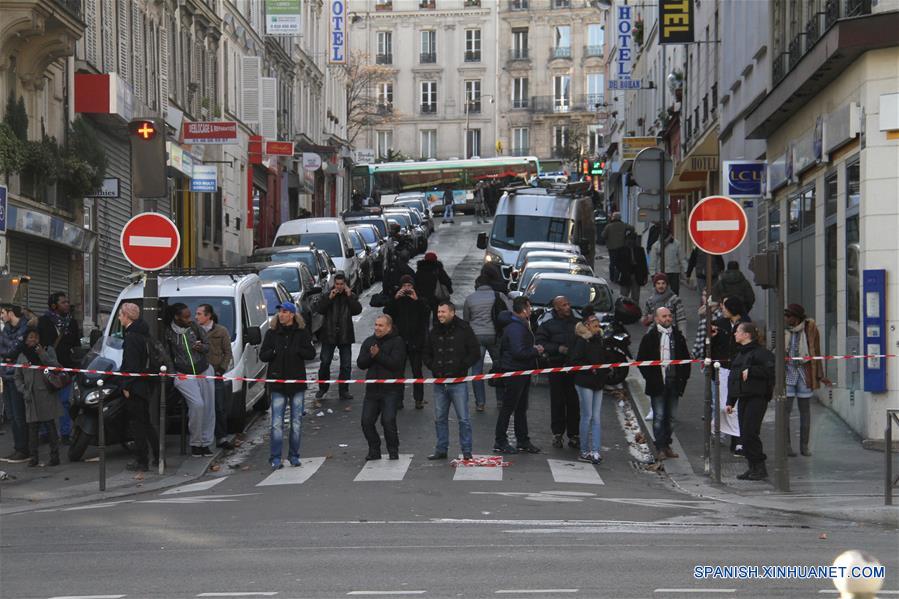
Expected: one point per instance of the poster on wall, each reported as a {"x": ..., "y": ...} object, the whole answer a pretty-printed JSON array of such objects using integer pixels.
[{"x": 283, "y": 17}]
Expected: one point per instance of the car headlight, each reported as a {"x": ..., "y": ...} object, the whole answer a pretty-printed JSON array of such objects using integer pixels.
[
  {"x": 493, "y": 257},
  {"x": 94, "y": 396}
]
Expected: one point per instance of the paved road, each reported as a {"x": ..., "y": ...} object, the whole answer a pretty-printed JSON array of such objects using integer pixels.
[{"x": 542, "y": 526}]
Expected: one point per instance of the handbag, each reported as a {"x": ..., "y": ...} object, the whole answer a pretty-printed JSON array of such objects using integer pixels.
[
  {"x": 441, "y": 291},
  {"x": 58, "y": 380}
]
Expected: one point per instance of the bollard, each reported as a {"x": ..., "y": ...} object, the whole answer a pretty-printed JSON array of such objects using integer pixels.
[
  {"x": 162, "y": 371},
  {"x": 101, "y": 437},
  {"x": 857, "y": 587}
]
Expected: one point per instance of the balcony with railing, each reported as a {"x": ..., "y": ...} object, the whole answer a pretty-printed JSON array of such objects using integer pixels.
[
  {"x": 385, "y": 109},
  {"x": 427, "y": 57},
  {"x": 519, "y": 54},
  {"x": 560, "y": 4},
  {"x": 427, "y": 4},
  {"x": 592, "y": 51},
  {"x": 518, "y": 103},
  {"x": 384, "y": 5},
  {"x": 520, "y": 151},
  {"x": 472, "y": 3},
  {"x": 472, "y": 56},
  {"x": 565, "y": 104},
  {"x": 558, "y": 152},
  {"x": 384, "y": 59},
  {"x": 473, "y": 107},
  {"x": 516, "y": 5},
  {"x": 428, "y": 108},
  {"x": 560, "y": 52}
]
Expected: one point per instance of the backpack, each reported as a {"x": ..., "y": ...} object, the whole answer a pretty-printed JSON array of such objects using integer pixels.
[{"x": 498, "y": 307}]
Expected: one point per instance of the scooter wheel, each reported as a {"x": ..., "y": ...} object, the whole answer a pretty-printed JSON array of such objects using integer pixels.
[
  {"x": 617, "y": 376},
  {"x": 80, "y": 442}
]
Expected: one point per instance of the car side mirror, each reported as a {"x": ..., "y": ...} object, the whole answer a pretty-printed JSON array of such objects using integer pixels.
[
  {"x": 482, "y": 241},
  {"x": 252, "y": 335}
]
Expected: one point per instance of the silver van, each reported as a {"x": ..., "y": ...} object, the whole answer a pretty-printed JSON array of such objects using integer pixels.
[
  {"x": 329, "y": 234},
  {"x": 531, "y": 214}
]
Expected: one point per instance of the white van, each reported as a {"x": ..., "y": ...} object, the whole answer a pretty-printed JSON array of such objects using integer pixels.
[
  {"x": 240, "y": 305},
  {"x": 329, "y": 234}
]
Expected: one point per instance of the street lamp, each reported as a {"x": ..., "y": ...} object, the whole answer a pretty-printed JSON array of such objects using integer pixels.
[{"x": 469, "y": 101}]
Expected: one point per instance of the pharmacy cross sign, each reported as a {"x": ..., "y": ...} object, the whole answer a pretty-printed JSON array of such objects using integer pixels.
[
  {"x": 150, "y": 241},
  {"x": 717, "y": 225}
]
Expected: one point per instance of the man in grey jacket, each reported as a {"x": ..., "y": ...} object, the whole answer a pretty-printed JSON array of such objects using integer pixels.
[
  {"x": 479, "y": 313},
  {"x": 613, "y": 235}
]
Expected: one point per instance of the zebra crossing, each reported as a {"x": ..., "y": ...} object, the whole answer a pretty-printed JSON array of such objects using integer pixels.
[{"x": 559, "y": 471}]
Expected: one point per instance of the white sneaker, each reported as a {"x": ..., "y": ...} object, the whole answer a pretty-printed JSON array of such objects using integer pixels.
[
  {"x": 597, "y": 459},
  {"x": 649, "y": 416}
]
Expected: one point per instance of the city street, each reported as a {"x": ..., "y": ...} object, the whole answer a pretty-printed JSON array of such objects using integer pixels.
[{"x": 541, "y": 526}]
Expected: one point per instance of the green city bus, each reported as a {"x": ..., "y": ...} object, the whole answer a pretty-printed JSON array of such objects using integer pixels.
[{"x": 391, "y": 178}]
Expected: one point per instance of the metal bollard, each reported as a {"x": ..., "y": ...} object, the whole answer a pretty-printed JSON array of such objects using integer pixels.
[
  {"x": 162, "y": 423},
  {"x": 101, "y": 437}
]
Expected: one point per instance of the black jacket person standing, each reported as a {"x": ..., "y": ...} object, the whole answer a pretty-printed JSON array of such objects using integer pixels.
[
  {"x": 338, "y": 306},
  {"x": 749, "y": 387},
  {"x": 383, "y": 356},
  {"x": 135, "y": 358},
  {"x": 410, "y": 316},
  {"x": 557, "y": 337}
]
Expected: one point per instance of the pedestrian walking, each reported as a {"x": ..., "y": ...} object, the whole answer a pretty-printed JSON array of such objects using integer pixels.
[
  {"x": 664, "y": 296},
  {"x": 750, "y": 387},
  {"x": 803, "y": 340},
  {"x": 589, "y": 348},
  {"x": 674, "y": 260},
  {"x": 451, "y": 349},
  {"x": 286, "y": 348},
  {"x": 137, "y": 390},
  {"x": 187, "y": 345},
  {"x": 613, "y": 235},
  {"x": 698, "y": 261},
  {"x": 432, "y": 282},
  {"x": 59, "y": 329},
  {"x": 12, "y": 340},
  {"x": 732, "y": 283},
  {"x": 518, "y": 351},
  {"x": 664, "y": 384},
  {"x": 338, "y": 306},
  {"x": 480, "y": 192},
  {"x": 448, "y": 206},
  {"x": 42, "y": 406},
  {"x": 221, "y": 359},
  {"x": 632, "y": 269},
  {"x": 724, "y": 349},
  {"x": 411, "y": 317},
  {"x": 481, "y": 310},
  {"x": 557, "y": 336},
  {"x": 382, "y": 356}
]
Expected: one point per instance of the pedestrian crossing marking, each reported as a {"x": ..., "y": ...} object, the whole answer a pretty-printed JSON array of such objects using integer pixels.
[
  {"x": 193, "y": 487},
  {"x": 478, "y": 473},
  {"x": 290, "y": 475},
  {"x": 574, "y": 472},
  {"x": 385, "y": 470}
]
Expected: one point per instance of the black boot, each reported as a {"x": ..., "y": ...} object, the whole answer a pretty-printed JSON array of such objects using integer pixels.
[{"x": 758, "y": 472}]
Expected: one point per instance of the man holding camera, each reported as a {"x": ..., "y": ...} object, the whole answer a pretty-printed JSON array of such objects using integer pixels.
[
  {"x": 338, "y": 307},
  {"x": 410, "y": 319}
]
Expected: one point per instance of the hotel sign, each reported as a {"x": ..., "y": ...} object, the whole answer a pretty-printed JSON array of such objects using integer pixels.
[
  {"x": 621, "y": 76},
  {"x": 676, "y": 21}
]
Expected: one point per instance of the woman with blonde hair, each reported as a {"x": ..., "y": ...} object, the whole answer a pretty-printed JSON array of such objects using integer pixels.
[{"x": 286, "y": 347}]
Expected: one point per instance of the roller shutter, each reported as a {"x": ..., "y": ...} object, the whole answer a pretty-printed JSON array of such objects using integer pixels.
[{"x": 112, "y": 214}]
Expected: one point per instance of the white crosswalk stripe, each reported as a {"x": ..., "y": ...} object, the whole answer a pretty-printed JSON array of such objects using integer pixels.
[
  {"x": 475, "y": 473},
  {"x": 193, "y": 487},
  {"x": 385, "y": 470},
  {"x": 290, "y": 475},
  {"x": 574, "y": 472}
]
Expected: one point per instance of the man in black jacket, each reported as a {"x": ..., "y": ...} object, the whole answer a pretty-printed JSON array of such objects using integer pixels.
[
  {"x": 136, "y": 358},
  {"x": 451, "y": 349},
  {"x": 751, "y": 383},
  {"x": 410, "y": 316},
  {"x": 724, "y": 349},
  {"x": 59, "y": 329},
  {"x": 557, "y": 337},
  {"x": 338, "y": 306},
  {"x": 664, "y": 384},
  {"x": 383, "y": 356}
]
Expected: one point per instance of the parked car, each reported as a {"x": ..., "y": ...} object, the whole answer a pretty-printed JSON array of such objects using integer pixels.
[
  {"x": 372, "y": 216},
  {"x": 275, "y": 295},
  {"x": 535, "y": 268},
  {"x": 404, "y": 223},
  {"x": 565, "y": 258},
  {"x": 329, "y": 234},
  {"x": 380, "y": 249},
  {"x": 363, "y": 253},
  {"x": 408, "y": 219},
  {"x": 580, "y": 290},
  {"x": 541, "y": 246},
  {"x": 296, "y": 278},
  {"x": 417, "y": 200},
  {"x": 318, "y": 261}
]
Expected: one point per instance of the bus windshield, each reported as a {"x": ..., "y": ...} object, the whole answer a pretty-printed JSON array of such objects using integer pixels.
[{"x": 510, "y": 230}]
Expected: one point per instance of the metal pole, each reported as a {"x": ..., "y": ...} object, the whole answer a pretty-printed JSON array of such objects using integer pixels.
[
  {"x": 781, "y": 472},
  {"x": 717, "y": 437},
  {"x": 707, "y": 446},
  {"x": 101, "y": 437},
  {"x": 662, "y": 234},
  {"x": 162, "y": 372},
  {"x": 888, "y": 454}
]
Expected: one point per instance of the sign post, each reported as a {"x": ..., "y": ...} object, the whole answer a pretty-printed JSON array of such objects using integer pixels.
[{"x": 717, "y": 225}]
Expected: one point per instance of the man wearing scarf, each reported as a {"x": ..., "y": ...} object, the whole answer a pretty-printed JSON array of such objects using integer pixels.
[
  {"x": 59, "y": 329},
  {"x": 664, "y": 384},
  {"x": 664, "y": 297},
  {"x": 803, "y": 340}
]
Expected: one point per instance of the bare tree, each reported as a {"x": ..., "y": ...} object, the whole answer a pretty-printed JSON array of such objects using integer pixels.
[{"x": 363, "y": 106}]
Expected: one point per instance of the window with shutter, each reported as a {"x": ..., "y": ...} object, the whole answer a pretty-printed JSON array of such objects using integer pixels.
[
  {"x": 108, "y": 20},
  {"x": 269, "y": 108},
  {"x": 137, "y": 50},
  {"x": 165, "y": 51},
  {"x": 90, "y": 33},
  {"x": 124, "y": 10},
  {"x": 249, "y": 80}
]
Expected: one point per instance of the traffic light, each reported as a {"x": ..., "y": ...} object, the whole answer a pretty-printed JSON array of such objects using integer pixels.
[
  {"x": 764, "y": 269},
  {"x": 148, "y": 176}
]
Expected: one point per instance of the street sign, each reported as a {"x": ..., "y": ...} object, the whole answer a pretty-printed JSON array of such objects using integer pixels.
[
  {"x": 210, "y": 132},
  {"x": 150, "y": 241},
  {"x": 364, "y": 156},
  {"x": 647, "y": 167},
  {"x": 311, "y": 161},
  {"x": 648, "y": 201},
  {"x": 648, "y": 216},
  {"x": 717, "y": 225},
  {"x": 109, "y": 189},
  {"x": 279, "y": 148},
  {"x": 205, "y": 178},
  {"x": 631, "y": 146}
]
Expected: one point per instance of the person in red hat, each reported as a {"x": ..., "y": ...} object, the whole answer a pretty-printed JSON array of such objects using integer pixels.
[
  {"x": 432, "y": 283},
  {"x": 802, "y": 340}
]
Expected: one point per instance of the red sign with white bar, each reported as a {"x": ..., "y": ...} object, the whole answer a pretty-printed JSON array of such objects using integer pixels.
[
  {"x": 717, "y": 225},
  {"x": 150, "y": 241},
  {"x": 279, "y": 148},
  {"x": 210, "y": 132}
]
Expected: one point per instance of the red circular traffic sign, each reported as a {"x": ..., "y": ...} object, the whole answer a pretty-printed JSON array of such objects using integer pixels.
[
  {"x": 717, "y": 225},
  {"x": 150, "y": 241}
]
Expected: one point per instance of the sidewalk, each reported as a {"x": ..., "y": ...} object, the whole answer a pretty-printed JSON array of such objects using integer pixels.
[{"x": 841, "y": 479}]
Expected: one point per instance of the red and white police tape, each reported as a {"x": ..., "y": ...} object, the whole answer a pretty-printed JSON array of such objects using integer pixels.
[{"x": 427, "y": 381}]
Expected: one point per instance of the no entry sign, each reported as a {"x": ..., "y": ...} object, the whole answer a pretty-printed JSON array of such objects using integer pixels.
[
  {"x": 150, "y": 241},
  {"x": 717, "y": 225}
]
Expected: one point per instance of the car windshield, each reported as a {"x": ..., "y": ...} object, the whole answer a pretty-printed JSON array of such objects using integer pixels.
[
  {"x": 416, "y": 218},
  {"x": 330, "y": 242},
  {"x": 558, "y": 258},
  {"x": 580, "y": 293},
  {"x": 222, "y": 306},
  {"x": 356, "y": 241},
  {"x": 413, "y": 203},
  {"x": 402, "y": 219},
  {"x": 306, "y": 257},
  {"x": 529, "y": 273},
  {"x": 511, "y": 230},
  {"x": 378, "y": 222},
  {"x": 368, "y": 234},
  {"x": 523, "y": 254},
  {"x": 271, "y": 299},
  {"x": 289, "y": 277}
]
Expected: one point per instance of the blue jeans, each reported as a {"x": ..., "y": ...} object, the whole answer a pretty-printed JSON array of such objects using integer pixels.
[
  {"x": 65, "y": 421},
  {"x": 664, "y": 407},
  {"x": 279, "y": 403},
  {"x": 457, "y": 395},
  {"x": 488, "y": 345},
  {"x": 447, "y": 212},
  {"x": 591, "y": 417},
  {"x": 15, "y": 409},
  {"x": 346, "y": 364}
]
